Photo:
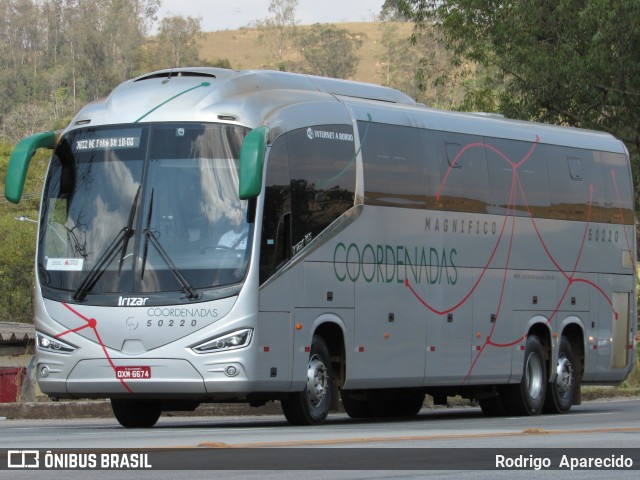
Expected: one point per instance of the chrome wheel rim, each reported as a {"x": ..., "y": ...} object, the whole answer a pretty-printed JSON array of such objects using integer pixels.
[
  {"x": 317, "y": 381},
  {"x": 564, "y": 377},
  {"x": 533, "y": 376}
]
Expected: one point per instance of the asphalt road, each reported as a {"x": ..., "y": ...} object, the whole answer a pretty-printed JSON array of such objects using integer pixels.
[{"x": 386, "y": 448}]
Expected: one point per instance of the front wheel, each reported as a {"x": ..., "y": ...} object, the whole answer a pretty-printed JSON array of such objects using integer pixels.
[
  {"x": 562, "y": 390},
  {"x": 527, "y": 398},
  {"x": 311, "y": 406},
  {"x": 136, "y": 413}
]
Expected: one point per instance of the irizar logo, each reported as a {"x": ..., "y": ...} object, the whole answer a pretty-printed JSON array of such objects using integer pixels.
[{"x": 132, "y": 301}]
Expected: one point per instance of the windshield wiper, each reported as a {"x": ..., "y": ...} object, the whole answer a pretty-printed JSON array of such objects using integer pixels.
[
  {"x": 188, "y": 289},
  {"x": 122, "y": 238},
  {"x": 101, "y": 265},
  {"x": 146, "y": 240},
  {"x": 191, "y": 292},
  {"x": 132, "y": 214}
]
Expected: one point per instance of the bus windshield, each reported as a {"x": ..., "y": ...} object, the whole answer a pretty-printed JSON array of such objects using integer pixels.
[{"x": 144, "y": 208}]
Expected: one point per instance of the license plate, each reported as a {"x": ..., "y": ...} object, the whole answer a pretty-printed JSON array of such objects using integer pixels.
[{"x": 133, "y": 373}]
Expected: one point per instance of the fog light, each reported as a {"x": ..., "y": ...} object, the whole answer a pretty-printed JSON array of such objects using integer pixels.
[
  {"x": 231, "y": 371},
  {"x": 44, "y": 372}
]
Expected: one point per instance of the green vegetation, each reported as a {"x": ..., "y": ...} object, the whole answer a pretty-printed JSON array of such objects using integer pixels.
[
  {"x": 55, "y": 56},
  {"x": 18, "y": 242}
]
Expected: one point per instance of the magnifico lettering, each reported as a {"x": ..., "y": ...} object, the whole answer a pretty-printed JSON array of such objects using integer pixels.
[
  {"x": 460, "y": 226},
  {"x": 395, "y": 264}
]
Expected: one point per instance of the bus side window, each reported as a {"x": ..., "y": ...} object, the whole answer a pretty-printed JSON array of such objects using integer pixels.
[
  {"x": 463, "y": 169},
  {"x": 275, "y": 247},
  {"x": 323, "y": 172},
  {"x": 576, "y": 185},
  {"x": 518, "y": 176},
  {"x": 394, "y": 171},
  {"x": 618, "y": 187}
]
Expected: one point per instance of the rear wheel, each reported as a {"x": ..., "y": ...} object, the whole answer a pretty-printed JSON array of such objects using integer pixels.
[
  {"x": 561, "y": 391},
  {"x": 311, "y": 406},
  {"x": 136, "y": 413},
  {"x": 527, "y": 398}
]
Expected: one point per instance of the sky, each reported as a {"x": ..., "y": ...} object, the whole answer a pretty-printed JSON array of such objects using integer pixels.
[{"x": 233, "y": 14}]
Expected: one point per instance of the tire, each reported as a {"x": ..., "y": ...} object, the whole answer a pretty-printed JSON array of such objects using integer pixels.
[
  {"x": 136, "y": 413},
  {"x": 311, "y": 406},
  {"x": 561, "y": 391},
  {"x": 396, "y": 403},
  {"x": 355, "y": 407},
  {"x": 527, "y": 398}
]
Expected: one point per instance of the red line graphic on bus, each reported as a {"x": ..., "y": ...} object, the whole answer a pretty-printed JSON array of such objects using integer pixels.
[
  {"x": 92, "y": 323},
  {"x": 517, "y": 188}
]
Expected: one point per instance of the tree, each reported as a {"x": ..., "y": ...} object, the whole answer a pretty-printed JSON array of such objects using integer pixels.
[
  {"x": 329, "y": 51},
  {"x": 16, "y": 268},
  {"x": 107, "y": 37},
  {"x": 278, "y": 30},
  {"x": 422, "y": 69},
  {"x": 26, "y": 119},
  {"x": 399, "y": 61},
  {"x": 571, "y": 62},
  {"x": 392, "y": 10},
  {"x": 55, "y": 54},
  {"x": 178, "y": 37},
  {"x": 18, "y": 241}
]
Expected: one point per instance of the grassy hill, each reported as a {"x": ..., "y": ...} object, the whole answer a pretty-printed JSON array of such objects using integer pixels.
[{"x": 242, "y": 49}]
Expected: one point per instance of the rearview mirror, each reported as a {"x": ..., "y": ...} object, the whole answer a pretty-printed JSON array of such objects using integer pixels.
[
  {"x": 252, "y": 162},
  {"x": 19, "y": 162}
]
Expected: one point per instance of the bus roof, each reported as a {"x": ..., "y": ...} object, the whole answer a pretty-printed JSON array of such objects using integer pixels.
[{"x": 253, "y": 97}]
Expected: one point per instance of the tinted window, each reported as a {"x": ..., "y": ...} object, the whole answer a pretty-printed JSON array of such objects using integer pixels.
[
  {"x": 526, "y": 192},
  {"x": 463, "y": 169},
  {"x": 394, "y": 166},
  {"x": 575, "y": 181},
  {"x": 323, "y": 172},
  {"x": 110, "y": 229},
  {"x": 618, "y": 188},
  {"x": 275, "y": 247}
]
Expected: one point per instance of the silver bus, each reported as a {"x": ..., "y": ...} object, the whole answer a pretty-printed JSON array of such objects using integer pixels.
[{"x": 209, "y": 235}]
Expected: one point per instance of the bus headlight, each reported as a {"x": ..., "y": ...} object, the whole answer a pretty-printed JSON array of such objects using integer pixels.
[
  {"x": 228, "y": 341},
  {"x": 49, "y": 344}
]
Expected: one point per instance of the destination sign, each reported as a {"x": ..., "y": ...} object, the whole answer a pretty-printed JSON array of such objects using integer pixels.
[{"x": 111, "y": 139}]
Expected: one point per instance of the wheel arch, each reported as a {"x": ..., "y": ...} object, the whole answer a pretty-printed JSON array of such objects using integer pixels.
[
  {"x": 332, "y": 331},
  {"x": 541, "y": 328},
  {"x": 573, "y": 330}
]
